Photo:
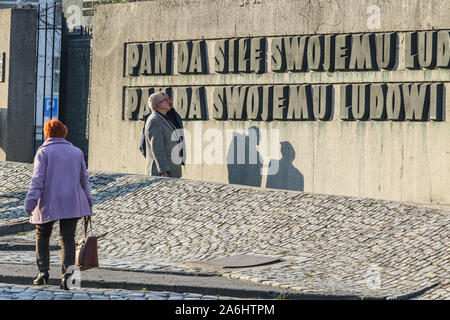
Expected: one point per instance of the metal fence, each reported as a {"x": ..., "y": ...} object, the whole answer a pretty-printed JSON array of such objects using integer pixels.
[{"x": 49, "y": 33}]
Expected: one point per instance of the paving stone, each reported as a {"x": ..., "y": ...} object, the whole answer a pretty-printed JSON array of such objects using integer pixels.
[
  {"x": 111, "y": 293},
  {"x": 155, "y": 297},
  {"x": 136, "y": 298},
  {"x": 193, "y": 296},
  {"x": 80, "y": 297},
  {"x": 137, "y": 294},
  {"x": 210, "y": 298},
  {"x": 62, "y": 298},
  {"x": 94, "y": 297},
  {"x": 161, "y": 294},
  {"x": 43, "y": 297},
  {"x": 63, "y": 294},
  {"x": 310, "y": 230},
  {"x": 25, "y": 298},
  {"x": 95, "y": 293}
]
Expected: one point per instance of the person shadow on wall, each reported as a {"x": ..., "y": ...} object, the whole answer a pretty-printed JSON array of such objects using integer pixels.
[
  {"x": 244, "y": 162},
  {"x": 287, "y": 177}
]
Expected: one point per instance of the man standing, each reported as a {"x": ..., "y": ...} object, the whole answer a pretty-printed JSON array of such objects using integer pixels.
[{"x": 162, "y": 139}]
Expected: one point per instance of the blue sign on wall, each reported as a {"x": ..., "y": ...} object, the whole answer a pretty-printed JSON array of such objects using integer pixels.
[{"x": 48, "y": 106}]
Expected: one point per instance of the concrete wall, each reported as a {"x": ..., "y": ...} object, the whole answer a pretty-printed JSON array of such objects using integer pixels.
[
  {"x": 405, "y": 160},
  {"x": 5, "y": 20},
  {"x": 18, "y": 42}
]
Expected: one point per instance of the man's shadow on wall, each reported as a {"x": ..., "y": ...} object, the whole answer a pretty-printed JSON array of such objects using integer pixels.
[
  {"x": 244, "y": 164},
  {"x": 287, "y": 176}
]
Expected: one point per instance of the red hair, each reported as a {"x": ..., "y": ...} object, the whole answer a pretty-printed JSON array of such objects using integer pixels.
[{"x": 55, "y": 129}]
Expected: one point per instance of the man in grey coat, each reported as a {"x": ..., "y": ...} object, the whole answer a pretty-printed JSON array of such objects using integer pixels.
[{"x": 162, "y": 139}]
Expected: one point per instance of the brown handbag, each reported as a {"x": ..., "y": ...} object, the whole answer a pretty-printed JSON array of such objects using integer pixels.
[{"x": 86, "y": 250}]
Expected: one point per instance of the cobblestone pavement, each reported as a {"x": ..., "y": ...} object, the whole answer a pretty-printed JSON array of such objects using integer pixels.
[
  {"x": 19, "y": 292},
  {"x": 329, "y": 244}
]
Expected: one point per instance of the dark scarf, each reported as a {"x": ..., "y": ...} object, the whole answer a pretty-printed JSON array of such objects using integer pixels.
[{"x": 172, "y": 118}]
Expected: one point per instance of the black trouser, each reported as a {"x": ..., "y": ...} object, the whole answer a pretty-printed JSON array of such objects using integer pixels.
[{"x": 67, "y": 229}]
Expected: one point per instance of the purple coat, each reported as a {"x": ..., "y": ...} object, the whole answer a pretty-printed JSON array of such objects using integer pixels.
[{"x": 60, "y": 183}]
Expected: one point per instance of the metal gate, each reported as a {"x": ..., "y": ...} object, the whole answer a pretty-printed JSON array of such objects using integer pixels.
[{"x": 49, "y": 33}]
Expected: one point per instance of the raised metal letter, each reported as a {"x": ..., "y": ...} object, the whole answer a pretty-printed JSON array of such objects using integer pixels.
[
  {"x": 280, "y": 94},
  {"x": 267, "y": 102},
  {"x": 345, "y": 102},
  {"x": 322, "y": 101},
  {"x": 133, "y": 58},
  {"x": 437, "y": 102},
  {"x": 362, "y": 53},
  {"x": 300, "y": 106},
  {"x": 132, "y": 106},
  {"x": 146, "y": 65},
  {"x": 386, "y": 50},
  {"x": 360, "y": 101},
  {"x": 328, "y": 53},
  {"x": 295, "y": 48},
  {"x": 278, "y": 60},
  {"x": 341, "y": 50},
  {"x": 235, "y": 98},
  {"x": 219, "y": 104},
  {"x": 183, "y": 56},
  {"x": 315, "y": 53},
  {"x": 411, "y": 61},
  {"x": 183, "y": 97},
  {"x": 221, "y": 57},
  {"x": 197, "y": 106},
  {"x": 243, "y": 55},
  {"x": 416, "y": 101},
  {"x": 144, "y": 108},
  {"x": 427, "y": 49},
  {"x": 377, "y": 101},
  {"x": 198, "y": 59},
  {"x": 443, "y": 49},
  {"x": 163, "y": 58},
  {"x": 258, "y": 55},
  {"x": 254, "y": 100},
  {"x": 394, "y": 103}
]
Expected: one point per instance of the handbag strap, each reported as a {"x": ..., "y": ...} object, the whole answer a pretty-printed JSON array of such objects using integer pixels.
[{"x": 87, "y": 222}]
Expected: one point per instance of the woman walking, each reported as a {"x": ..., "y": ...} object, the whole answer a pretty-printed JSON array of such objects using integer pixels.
[{"x": 59, "y": 191}]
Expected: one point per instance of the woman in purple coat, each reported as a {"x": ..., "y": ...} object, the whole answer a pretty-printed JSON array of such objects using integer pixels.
[{"x": 59, "y": 191}]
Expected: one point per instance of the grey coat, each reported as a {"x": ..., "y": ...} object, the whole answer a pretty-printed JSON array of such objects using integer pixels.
[{"x": 161, "y": 139}]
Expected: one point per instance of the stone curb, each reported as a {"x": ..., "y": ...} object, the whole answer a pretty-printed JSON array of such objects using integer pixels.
[
  {"x": 234, "y": 293},
  {"x": 415, "y": 294},
  {"x": 16, "y": 228},
  {"x": 168, "y": 272}
]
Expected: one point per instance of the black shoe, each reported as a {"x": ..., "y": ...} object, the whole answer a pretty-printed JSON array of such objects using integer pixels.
[
  {"x": 63, "y": 285},
  {"x": 42, "y": 278}
]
